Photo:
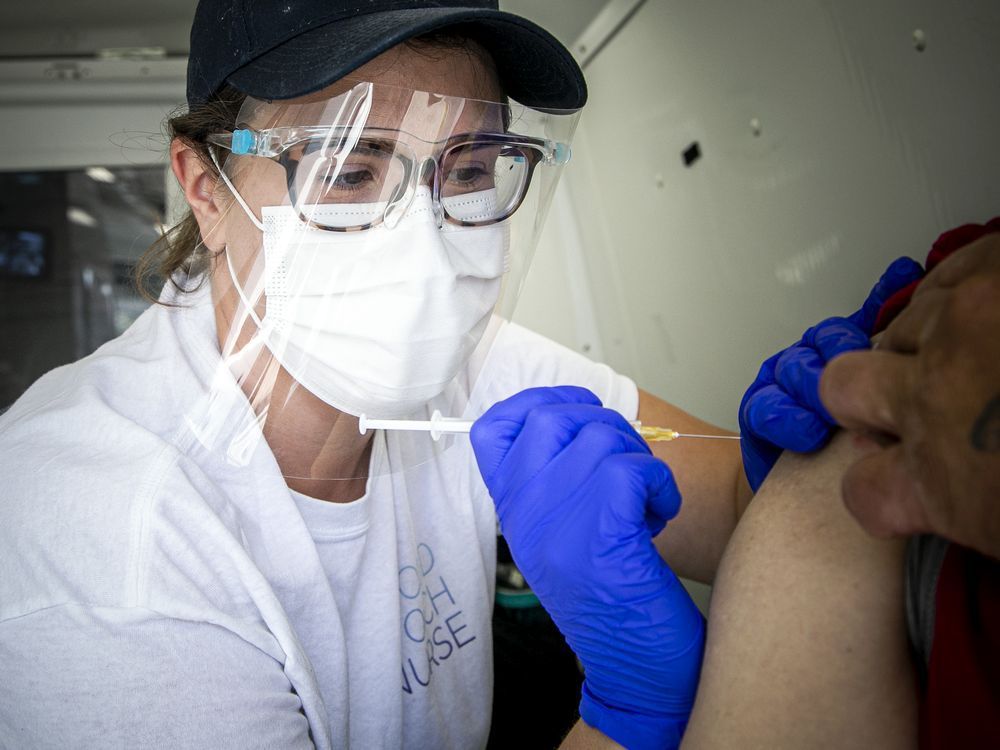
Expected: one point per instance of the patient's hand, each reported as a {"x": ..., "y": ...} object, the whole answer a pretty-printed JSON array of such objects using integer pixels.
[{"x": 934, "y": 385}]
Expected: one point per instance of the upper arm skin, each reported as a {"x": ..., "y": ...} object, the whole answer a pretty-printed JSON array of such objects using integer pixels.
[
  {"x": 584, "y": 737},
  {"x": 710, "y": 477},
  {"x": 807, "y": 642}
]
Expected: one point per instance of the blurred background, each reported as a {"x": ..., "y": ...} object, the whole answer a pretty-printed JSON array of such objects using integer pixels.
[{"x": 741, "y": 171}]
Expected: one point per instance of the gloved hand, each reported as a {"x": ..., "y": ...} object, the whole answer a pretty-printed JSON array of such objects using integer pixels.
[
  {"x": 580, "y": 498},
  {"x": 781, "y": 410}
]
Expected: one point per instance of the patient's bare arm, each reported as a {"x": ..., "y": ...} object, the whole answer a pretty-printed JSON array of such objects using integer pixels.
[{"x": 806, "y": 638}]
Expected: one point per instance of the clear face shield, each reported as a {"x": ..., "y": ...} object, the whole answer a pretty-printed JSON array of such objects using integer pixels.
[{"x": 379, "y": 243}]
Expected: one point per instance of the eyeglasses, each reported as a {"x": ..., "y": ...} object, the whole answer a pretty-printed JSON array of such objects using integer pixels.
[{"x": 475, "y": 179}]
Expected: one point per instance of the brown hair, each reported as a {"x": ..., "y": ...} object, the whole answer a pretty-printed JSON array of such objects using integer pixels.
[{"x": 181, "y": 247}]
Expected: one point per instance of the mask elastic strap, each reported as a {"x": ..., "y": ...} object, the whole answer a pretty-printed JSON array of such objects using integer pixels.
[
  {"x": 236, "y": 193},
  {"x": 229, "y": 261}
]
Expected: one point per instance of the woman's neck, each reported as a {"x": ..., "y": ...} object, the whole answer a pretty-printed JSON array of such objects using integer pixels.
[{"x": 319, "y": 449}]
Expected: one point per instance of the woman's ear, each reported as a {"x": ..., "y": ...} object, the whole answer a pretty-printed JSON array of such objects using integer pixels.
[{"x": 199, "y": 183}]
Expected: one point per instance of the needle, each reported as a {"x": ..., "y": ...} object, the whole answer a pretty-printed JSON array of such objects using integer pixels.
[{"x": 664, "y": 434}]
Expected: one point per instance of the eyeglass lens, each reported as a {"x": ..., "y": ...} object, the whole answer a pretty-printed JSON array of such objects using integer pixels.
[{"x": 378, "y": 171}]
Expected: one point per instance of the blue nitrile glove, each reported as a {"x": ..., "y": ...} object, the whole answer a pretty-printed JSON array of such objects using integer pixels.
[
  {"x": 781, "y": 410},
  {"x": 580, "y": 498}
]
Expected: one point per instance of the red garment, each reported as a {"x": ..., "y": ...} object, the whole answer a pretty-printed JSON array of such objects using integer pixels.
[
  {"x": 946, "y": 244},
  {"x": 961, "y": 705}
]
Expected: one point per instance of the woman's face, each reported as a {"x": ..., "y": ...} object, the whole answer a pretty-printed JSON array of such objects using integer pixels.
[
  {"x": 452, "y": 72},
  {"x": 467, "y": 73}
]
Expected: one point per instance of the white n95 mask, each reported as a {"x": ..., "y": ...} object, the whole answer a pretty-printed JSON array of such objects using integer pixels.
[{"x": 380, "y": 321}]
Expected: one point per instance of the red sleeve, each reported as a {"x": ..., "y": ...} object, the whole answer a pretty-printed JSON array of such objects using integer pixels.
[
  {"x": 961, "y": 705},
  {"x": 946, "y": 244}
]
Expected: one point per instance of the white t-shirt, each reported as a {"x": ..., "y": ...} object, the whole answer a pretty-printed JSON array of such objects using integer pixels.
[{"x": 155, "y": 593}]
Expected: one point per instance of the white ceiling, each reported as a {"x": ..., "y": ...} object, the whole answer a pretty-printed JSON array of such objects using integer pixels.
[
  {"x": 93, "y": 13},
  {"x": 69, "y": 26}
]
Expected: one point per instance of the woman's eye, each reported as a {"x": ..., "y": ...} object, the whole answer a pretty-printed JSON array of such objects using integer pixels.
[
  {"x": 352, "y": 179},
  {"x": 467, "y": 175}
]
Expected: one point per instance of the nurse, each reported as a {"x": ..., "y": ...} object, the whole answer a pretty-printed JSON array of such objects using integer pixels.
[{"x": 200, "y": 548}]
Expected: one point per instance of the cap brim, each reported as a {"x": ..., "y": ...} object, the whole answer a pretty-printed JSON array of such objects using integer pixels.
[{"x": 535, "y": 68}]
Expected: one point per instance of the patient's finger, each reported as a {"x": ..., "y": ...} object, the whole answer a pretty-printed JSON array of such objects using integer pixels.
[
  {"x": 912, "y": 328},
  {"x": 868, "y": 390},
  {"x": 883, "y": 496}
]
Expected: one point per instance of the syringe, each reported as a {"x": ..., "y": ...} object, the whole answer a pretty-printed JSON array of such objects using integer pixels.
[{"x": 439, "y": 425}]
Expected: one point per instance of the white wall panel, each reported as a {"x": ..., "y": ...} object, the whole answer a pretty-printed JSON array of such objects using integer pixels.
[{"x": 866, "y": 149}]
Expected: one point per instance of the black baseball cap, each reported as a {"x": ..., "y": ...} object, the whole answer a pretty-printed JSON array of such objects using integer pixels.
[{"x": 281, "y": 49}]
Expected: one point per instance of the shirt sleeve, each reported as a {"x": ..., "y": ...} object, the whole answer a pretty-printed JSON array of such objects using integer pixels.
[
  {"x": 78, "y": 676},
  {"x": 924, "y": 556},
  {"x": 521, "y": 359}
]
